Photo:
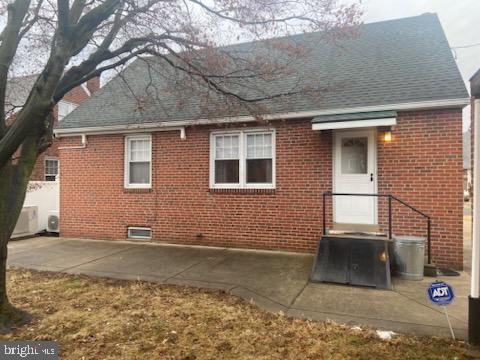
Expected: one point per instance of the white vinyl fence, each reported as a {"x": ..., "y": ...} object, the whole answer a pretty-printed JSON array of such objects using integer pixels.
[{"x": 45, "y": 195}]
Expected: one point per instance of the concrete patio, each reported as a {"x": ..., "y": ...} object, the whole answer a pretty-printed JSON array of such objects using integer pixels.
[{"x": 275, "y": 281}]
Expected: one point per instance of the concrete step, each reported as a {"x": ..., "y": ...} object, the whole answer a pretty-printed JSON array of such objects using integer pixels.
[{"x": 373, "y": 228}]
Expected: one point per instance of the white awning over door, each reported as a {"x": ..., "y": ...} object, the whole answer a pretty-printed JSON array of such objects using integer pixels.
[{"x": 354, "y": 121}]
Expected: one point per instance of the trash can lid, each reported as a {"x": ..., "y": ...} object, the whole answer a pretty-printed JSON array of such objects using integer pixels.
[{"x": 410, "y": 239}]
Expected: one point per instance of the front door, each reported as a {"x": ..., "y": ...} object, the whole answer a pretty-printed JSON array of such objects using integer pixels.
[{"x": 354, "y": 158}]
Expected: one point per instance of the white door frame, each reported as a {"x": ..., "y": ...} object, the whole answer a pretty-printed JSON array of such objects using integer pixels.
[{"x": 371, "y": 133}]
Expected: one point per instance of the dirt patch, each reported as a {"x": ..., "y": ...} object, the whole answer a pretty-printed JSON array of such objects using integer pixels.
[{"x": 109, "y": 319}]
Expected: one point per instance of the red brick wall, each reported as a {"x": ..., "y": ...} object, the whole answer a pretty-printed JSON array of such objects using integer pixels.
[
  {"x": 422, "y": 165},
  {"x": 38, "y": 172}
]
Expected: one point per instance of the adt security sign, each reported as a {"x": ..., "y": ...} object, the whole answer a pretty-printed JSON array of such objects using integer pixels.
[{"x": 440, "y": 293}]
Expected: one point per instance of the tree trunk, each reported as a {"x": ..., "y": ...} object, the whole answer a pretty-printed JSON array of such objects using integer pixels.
[
  {"x": 13, "y": 187},
  {"x": 3, "y": 273}
]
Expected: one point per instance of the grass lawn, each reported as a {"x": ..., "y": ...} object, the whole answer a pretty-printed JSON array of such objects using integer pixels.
[{"x": 108, "y": 319}]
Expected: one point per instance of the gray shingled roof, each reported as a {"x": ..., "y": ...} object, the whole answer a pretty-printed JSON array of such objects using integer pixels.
[{"x": 389, "y": 62}]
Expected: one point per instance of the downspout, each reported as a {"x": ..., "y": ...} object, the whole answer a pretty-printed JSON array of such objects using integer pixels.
[
  {"x": 82, "y": 146},
  {"x": 474, "y": 298}
]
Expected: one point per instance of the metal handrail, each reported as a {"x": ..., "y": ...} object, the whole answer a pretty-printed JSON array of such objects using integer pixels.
[{"x": 390, "y": 197}]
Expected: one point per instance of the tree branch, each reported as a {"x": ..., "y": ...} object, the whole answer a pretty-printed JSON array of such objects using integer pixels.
[
  {"x": 97, "y": 72},
  {"x": 74, "y": 74},
  {"x": 88, "y": 23},
  {"x": 193, "y": 70},
  {"x": 30, "y": 22},
  {"x": 251, "y": 22},
  {"x": 10, "y": 39},
  {"x": 76, "y": 10},
  {"x": 63, "y": 17}
]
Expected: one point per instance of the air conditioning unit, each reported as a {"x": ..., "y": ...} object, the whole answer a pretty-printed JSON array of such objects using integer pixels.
[
  {"x": 53, "y": 221},
  {"x": 27, "y": 223}
]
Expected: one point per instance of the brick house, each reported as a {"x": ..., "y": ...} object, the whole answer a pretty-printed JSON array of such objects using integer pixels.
[
  {"x": 47, "y": 165},
  {"x": 168, "y": 174}
]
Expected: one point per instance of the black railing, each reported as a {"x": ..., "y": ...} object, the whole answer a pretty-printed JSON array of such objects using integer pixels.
[{"x": 389, "y": 198}]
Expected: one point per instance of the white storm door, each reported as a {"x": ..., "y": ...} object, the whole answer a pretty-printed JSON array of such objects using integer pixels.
[{"x": 354, "y": 158}]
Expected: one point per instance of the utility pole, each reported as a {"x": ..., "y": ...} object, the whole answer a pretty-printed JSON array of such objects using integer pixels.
[{"x": 474, "y": 298}]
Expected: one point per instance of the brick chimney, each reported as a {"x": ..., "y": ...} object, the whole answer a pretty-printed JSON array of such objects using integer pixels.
[{"x": 93, "y": 84}]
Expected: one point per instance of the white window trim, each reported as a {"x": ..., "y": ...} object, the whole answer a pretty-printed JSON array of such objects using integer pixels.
[
  {"x": 126, "y": 166},
  {"x": 51, "y": 158},
  {"x": 137, "y": 236},
  {"x": 242, "y": 159}
]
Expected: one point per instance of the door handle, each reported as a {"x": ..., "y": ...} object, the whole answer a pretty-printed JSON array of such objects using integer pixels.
[{"x": 371, "y": 176}]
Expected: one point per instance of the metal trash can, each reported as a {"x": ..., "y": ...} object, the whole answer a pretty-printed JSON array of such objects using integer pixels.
[{"x": 409, "y": 256}]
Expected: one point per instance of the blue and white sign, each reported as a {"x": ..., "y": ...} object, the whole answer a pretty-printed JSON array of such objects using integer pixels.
[{"x": 440, "y": 293}]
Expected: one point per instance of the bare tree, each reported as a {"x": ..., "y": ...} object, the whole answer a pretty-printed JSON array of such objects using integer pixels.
[{"x": 72, "y": 41}]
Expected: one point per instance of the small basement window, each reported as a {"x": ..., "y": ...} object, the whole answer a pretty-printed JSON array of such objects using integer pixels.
[{"x": 139, "y": 233}]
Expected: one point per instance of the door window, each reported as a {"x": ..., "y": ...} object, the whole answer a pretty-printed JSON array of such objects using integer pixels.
[{"x": 354, "y": 156}]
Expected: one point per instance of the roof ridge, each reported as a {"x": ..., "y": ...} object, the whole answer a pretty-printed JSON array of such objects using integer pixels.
[
  {"x": 432, "y": 14},
  {"x": 293, "y": 35},
  {"x": 320, "y": 32}
]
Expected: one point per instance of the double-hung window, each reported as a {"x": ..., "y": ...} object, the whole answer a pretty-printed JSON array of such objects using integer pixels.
[
  {"x": 242, "y": 159},
  {"x": 138, "y": 161},
  {"x": 51, "y": 169},
  {"x": 227, "y": 159}
]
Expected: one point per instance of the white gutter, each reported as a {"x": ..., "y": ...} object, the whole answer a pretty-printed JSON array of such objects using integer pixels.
[
  {"x": 174, "y": 125},
  {"x": 121, "y": 129}
]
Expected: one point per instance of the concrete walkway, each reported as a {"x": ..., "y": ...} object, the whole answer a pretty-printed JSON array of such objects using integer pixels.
[{"x": 275, "y": 281}]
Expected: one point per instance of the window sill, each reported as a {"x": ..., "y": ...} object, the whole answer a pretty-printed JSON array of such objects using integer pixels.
[
  {"x": 137, "y": 190},
  {"x": 243, "y": 191}
]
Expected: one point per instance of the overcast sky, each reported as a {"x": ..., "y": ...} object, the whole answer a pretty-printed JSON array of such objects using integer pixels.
[{"x": 460, "y": 20}]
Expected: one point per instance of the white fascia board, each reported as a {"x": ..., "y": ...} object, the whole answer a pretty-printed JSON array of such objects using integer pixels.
[
  {"x": 162, "y": 126},
  {"x": 354, "y": 124}
]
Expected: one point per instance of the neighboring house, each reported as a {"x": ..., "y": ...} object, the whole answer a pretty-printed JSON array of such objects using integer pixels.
[
  {"x": 47, "y": 165},
  {"x": 168, "y": 174},
  {"x": 42, "y": 198}
]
